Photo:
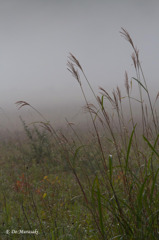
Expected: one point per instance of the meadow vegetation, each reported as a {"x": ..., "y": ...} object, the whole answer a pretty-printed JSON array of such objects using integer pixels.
[{"x": 99, "y": 184}]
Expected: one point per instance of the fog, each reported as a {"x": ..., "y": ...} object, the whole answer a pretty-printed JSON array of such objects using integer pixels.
[{"x": 37, "y": 37}]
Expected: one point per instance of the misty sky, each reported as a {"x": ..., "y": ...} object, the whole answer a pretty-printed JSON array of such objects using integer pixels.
[{"x": 36, "y": 37}]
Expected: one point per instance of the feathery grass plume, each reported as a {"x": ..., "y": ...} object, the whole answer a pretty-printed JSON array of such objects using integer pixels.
[
  {"x": 134, "y": 60},
  {"x": 115, "y": 100},
  {"x": 45, "y": 124},
  {"x": 74, "y": 72},
  {"x": 90, "y": 107},
  {"x": 127, "y": 86},
  {"x": 106, "y": 94},
  {"x": 139, "y": 71},
  {"x": 119, "y": 93},
  {"x": 76, "y": 75},
  {"x": 126, "y": 35},
  {"x": 22, "y": 104},
  {"x": 75, "y": 61}
]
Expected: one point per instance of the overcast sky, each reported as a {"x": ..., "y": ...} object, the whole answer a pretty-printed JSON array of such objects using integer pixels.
[{"x": 36, "y": 37}]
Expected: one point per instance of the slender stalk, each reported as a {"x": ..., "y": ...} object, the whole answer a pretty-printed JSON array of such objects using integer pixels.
[{"x": 27, "y": 219}]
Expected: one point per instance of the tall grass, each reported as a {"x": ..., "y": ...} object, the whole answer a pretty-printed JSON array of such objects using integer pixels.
[
  {"x": 124, "y": 208},
  {"x": 102, "y": 185}
]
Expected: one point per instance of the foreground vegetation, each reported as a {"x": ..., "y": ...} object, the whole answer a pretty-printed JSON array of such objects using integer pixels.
[{"x": 99, "y": 185}]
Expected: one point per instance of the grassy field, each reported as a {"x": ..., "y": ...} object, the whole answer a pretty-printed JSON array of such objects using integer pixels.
[{"x": 96, "y": 184}]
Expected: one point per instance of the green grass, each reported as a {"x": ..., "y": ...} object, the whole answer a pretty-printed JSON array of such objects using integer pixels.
[{"x": 99, "y": 185}]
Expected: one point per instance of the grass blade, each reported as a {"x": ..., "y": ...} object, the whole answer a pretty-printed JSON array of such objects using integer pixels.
[
  {"x": 140, "y": 84},
  {"x": 110, "y": 166},
  {"x": 150, "y": 145},
  {"x": 140, "y": 194},
  {"x": 153, "y": 186},
  {"x": 128, "y": 150}
]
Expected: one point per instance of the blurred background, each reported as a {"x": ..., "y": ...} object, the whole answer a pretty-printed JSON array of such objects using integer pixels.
[{"x": 36, "y": 37}]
